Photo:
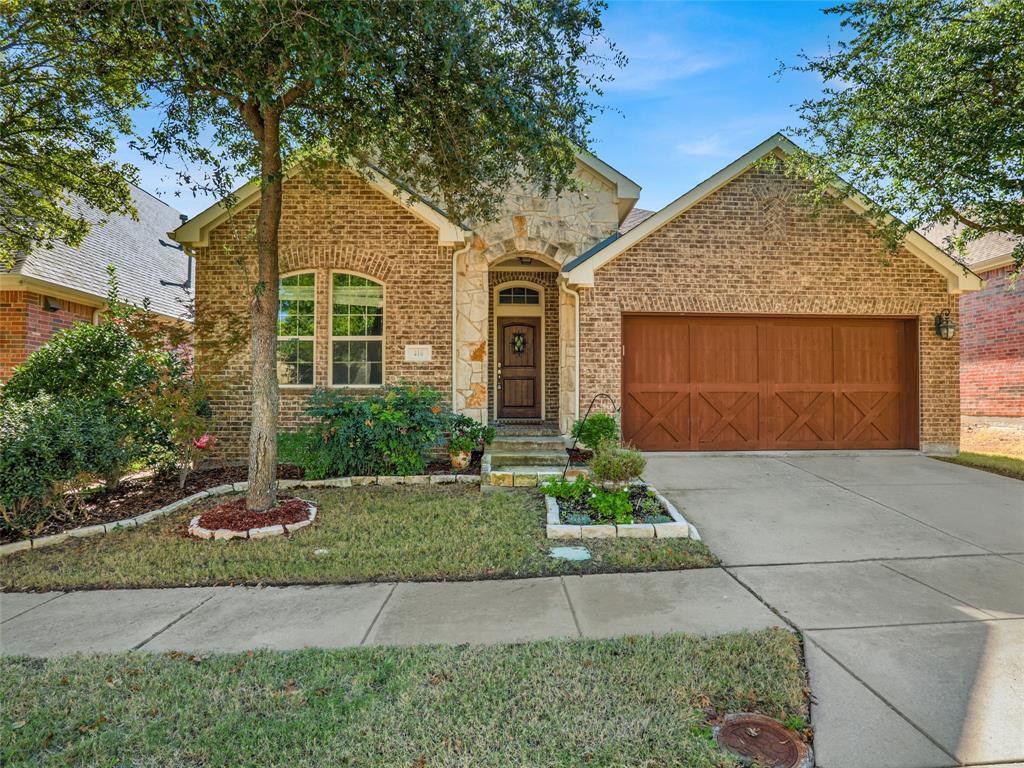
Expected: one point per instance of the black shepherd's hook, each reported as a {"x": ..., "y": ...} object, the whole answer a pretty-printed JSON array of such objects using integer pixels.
[{"x": 586, "y": 416}]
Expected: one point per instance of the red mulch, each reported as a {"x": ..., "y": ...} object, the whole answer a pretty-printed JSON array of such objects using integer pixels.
[
  {"x": 144, "y": 493},
  {"x": 234, "y": 515}
]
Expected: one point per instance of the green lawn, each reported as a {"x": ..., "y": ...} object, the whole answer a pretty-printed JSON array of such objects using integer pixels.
[
  {"x": 630, "y": 702},
  {"x": 415, "y": 533},
  {"x": 990, "y": 462}
]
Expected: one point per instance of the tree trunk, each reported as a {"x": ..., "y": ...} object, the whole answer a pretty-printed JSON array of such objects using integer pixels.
[{"x": 262, "y": 493}]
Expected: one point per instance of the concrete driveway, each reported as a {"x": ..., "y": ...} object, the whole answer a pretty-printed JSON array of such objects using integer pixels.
[{"x": 905, "y": 576}]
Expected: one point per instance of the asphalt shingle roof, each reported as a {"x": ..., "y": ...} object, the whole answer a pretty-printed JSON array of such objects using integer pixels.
[
  {"x": 633, "y": 218},
  {"x": 140, "y": 250},
  {"x": 988, "y": 247}
]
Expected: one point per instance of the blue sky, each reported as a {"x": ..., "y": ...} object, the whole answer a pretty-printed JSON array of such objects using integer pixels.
[{"x": 699, "y": 90}]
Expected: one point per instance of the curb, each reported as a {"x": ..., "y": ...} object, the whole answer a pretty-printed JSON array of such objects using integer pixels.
[{"x": 39, "y": 542}]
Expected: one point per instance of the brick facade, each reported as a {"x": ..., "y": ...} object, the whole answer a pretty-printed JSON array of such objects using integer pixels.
[
  {"x": 339, "y": 223},
  {"x": 752, "y": 248},
  {"x": 992, "y": 347},
  {"x": 25, "y": 325}
]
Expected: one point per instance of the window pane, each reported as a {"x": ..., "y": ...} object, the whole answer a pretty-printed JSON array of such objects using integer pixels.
[
  {"x": 376, "y": 373},
  {"x": 358, "y": 373},
  {"x": 375, "y": 326},
  {"x": 518, "y": 295},
  {"x": 339, "y": 373},
  {"x": 304, "y": 325},
  {"x": 374, "y": 350}
]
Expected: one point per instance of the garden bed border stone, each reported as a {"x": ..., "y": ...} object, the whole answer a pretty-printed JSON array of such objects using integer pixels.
[
  {"x": 680, "y": 528},
  {"x": 38, "y": 542}
]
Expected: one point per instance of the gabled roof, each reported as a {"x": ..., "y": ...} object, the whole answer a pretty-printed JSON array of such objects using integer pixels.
[
  {"x": 140, "y": 250},
  {"x": 627, "y": 191},
  {"x": 580, "y": 271},
  {"x": 636, "y": 217},
  {"x": 195, "y": 232}
]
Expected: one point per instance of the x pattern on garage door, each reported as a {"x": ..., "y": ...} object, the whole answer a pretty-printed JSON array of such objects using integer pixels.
[{"x": 746, "y": 383}]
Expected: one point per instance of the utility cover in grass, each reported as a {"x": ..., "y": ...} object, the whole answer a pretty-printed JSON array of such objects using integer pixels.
[{"x": 570, "y": 553}]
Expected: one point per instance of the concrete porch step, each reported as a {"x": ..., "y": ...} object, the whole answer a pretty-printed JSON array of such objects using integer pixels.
[
  {"x": 531, "y": 458},
  {"x": 514, "y": 444},
  {"x": 524, "y": 476}
]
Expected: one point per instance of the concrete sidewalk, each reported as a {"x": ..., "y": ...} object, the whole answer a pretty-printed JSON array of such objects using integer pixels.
[{"x": 216, "y": 619}]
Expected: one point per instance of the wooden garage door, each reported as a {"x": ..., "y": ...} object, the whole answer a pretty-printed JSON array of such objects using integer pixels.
[{"x": 759, "y": 383}]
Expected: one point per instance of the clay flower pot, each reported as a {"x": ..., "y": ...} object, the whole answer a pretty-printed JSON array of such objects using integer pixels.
[{"x": 460, "y": 460}]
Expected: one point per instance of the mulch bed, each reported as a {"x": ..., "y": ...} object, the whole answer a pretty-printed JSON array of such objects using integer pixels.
[
  {"x": 234, "y": 515},
  {"x": 144, "y": 493}
]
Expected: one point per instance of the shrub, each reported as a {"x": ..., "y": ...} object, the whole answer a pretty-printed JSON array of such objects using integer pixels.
[
  {"x": 566, "y": 490},
  {"x": 391, "y": 433},
  {"x": 48, "y": 446},
  {"x": 106, "y": 367},
  {"x": 613, "y": 506},
  {"x": 467, "y": 434},
  {"x": 612, "y": 463},
  {"x": 596, "y": 429}
]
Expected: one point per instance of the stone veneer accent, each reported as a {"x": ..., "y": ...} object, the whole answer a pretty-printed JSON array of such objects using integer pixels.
[
  {"x": 551, "y": 230},
  {"x": 751, "y": 247},
  {"x": 339, "y": 223}
]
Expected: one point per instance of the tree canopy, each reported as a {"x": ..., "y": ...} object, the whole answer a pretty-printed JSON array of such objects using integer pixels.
[
  {"x": 62, "y": 108},
  {"x": 923, "y": 112},
  {"x": 454, "y": 99}
]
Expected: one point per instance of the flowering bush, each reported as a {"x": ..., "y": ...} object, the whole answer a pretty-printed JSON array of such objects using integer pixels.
[{"x": 466, "y": 434}]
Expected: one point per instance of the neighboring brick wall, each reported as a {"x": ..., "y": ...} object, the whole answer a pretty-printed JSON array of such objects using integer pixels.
[
  {"x": 992, "y": 347},
  {"x": 25, "y": 325},
  {"x": 546, "y": 280},
  {"x": 340, "y": 223},
  {"x": 752, "y": 248}
]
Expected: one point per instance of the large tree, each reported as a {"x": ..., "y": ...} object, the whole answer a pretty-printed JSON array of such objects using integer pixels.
[
  {"x": 923, "y": 111},
  {"x": 62, "y": 108},
  {"x": 453, "y": 98}
]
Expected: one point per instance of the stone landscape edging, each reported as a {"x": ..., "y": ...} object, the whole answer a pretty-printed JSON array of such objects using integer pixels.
[
  {"x": 680, "y": 528},
  {"x": 38, "y": 542}
]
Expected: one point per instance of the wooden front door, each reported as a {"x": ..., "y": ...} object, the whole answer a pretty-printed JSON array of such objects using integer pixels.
[
  {"x": 519, "y": 364},
  {"x": 757, "y": 383}
]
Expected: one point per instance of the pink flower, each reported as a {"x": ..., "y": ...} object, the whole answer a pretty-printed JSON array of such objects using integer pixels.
[{"x": 203, "y": 442}]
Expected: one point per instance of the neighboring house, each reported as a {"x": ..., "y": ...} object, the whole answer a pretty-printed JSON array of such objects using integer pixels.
[
  {"x": 731, "y": 319},
  {"x": 991, "y": 346},
  {"x": 51, "y": 288}
]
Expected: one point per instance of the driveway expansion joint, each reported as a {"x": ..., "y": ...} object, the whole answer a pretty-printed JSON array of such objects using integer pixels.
[
  {"x": 572, "y": 608},
  {"x": 33, "y": 607}
]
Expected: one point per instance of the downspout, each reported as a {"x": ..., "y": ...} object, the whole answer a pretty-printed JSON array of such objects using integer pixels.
[
  {"x": 563, "y": 285},
  {"x": 455, "y": 320}
]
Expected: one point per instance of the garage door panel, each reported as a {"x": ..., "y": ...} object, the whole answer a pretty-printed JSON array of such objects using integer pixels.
[
  {"x": 768, "y": 383},
  {"x": 727, "y": 419},
  {"x": 798, "y": 354},
  {"x": 724, "y": 352},
  {"x": 799, "y": 419},
  {"x": 872, "y": 419},
  {"x": 657, "y": 416}
]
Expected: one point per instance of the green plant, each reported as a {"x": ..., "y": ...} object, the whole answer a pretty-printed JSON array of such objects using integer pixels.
[
  {"x": 566, "y": 490},
  {"x": 466, "y": 434},
  {"x": 595, "y": 429},
  {"x": 48, "y": 447},
  {"x": 649, "y": 507},
  {"x": 382, "y": 434},
  {"x": 613, "y": 506},
  {"x": 612, "y": 463},
  {"x": 578, "y": 519}
]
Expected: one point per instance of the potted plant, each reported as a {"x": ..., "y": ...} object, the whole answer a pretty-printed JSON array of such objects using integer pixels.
[
  {"x": 466, "y": 435},
  {"x": 591, "y": 432}
]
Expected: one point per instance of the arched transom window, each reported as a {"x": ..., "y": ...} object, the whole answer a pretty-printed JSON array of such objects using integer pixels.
[
  {"x": 357, "y": 331},
  {"x": 296, "y": 323},
  {"x": 518, "y": 294}
]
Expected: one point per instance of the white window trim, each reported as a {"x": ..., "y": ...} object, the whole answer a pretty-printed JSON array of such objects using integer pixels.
[
  {"x": 332, "y": 338},
  {"x": 299, "y": 338}
]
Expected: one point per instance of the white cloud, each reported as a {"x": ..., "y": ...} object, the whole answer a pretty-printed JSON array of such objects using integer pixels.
[
  {"x": 654, "y": 61},
  {"x": 708, "y": 146}
]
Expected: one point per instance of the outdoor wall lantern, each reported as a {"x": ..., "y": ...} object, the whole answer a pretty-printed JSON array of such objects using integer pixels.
[
  {"x": 50, "y": 304},
  {"x": 944, "y": 327}
]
